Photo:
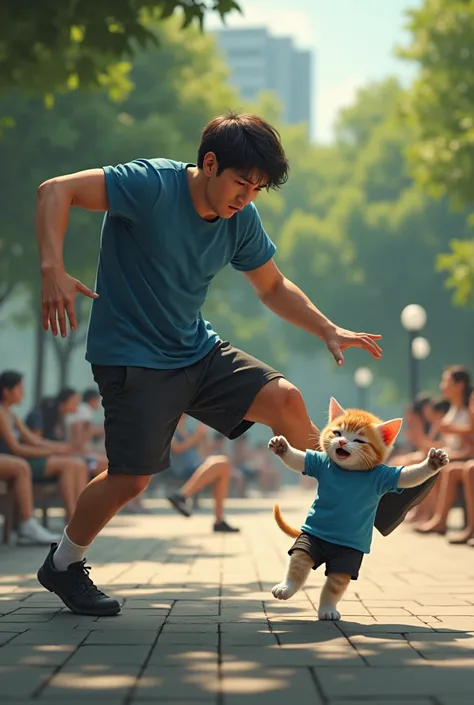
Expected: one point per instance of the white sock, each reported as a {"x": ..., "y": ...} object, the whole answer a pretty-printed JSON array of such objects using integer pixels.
[{"x": 68, "y": 552}]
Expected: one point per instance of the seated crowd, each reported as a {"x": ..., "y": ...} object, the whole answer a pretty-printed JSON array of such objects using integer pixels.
[
  {"x": 448, "y": 422},
  {"x": 58, "y": 442}
]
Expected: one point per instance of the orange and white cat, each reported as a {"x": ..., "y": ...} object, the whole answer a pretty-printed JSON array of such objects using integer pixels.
[{"x": 351, "y": 478}]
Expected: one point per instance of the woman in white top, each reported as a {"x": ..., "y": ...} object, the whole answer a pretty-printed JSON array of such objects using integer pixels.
[{"x": 457, "y": 431}]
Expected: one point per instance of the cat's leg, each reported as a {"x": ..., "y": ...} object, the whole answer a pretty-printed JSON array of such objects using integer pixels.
[
  {"x": 334, "y": 588},
  {"x": 299, "y": 568}
]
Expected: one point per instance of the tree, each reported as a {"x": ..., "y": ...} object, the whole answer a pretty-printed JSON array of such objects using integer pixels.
[
  {"x": 440, "y": 104},
  {"x": 162, "y": 116},
  {"x": 374, "y": 248},
  {"x": 440, "y": 108},
  {"x": 57, "y": 45}
]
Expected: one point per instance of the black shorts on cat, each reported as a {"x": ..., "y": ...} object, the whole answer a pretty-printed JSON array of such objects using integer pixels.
[
  {"x": 338, "y": 559},
  {"x": 142, "y": 406}
]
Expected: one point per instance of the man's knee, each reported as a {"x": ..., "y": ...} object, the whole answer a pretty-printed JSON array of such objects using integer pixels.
[
  {"x": 129, "y": 486},
  {"x": 291, "y": 401}
]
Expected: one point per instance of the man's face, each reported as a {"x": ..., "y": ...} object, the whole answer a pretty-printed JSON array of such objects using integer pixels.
[{"x": 232, "y": 190}]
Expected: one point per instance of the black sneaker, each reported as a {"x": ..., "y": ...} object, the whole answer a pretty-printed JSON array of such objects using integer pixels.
[
  {"x": 394, "y": 507},
  {"x": 180, "y": 504},
  {"x": 224, "y": 527},
  {"x": 74, "y": 587}
]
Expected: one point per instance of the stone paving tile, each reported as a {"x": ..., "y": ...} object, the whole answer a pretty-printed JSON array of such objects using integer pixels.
[
  {"x": 402, "y": 681},
  {"x": 273, "y": 655},
  {"x": 195, "y": 680},
  {"x": 99, "y": 681},
  {"x": 22, "y": 681},
  {"x": 384, "y": 701},
  {"x": 35, "y": 654},
  {"x": 113, "y": 655},
  {"x": 127, "y": 637},
  {"x": 273, "y": 686},
  {"x": 199, "y": 623}
]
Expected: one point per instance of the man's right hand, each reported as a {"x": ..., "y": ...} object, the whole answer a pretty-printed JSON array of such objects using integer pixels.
[{"x": 58, "y": 291}]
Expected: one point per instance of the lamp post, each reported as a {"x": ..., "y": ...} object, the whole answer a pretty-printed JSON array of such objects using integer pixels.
[
  {"x": 363, "y": 378},
  {"x": 413, "y": 318}
]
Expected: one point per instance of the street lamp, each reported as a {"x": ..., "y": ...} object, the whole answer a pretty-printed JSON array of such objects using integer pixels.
[
  {"x": 413, "y": 318},
  {"x": 363, "y": 378}
]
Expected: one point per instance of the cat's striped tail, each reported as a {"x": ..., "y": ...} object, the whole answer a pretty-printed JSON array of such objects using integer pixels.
[{"x": 286, "y": 528}]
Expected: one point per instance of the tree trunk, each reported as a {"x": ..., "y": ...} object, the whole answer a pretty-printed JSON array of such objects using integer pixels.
[
  {"x": 40, "y": 346},
  {"x": 5, "y": 292},
  {"x": 65, "y": 348}
]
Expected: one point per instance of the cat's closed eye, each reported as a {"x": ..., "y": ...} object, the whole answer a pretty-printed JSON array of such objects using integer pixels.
[{"x": 359, "y": 440}]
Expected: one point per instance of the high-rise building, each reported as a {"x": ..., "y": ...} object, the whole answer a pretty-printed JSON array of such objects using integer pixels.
[{"x": 259, "y": 62}]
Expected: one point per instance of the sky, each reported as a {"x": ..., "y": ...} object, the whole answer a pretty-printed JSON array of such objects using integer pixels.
[{"x": 353, "y": 43}]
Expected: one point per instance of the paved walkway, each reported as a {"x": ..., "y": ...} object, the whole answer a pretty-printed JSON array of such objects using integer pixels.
[{"x": 200, "y": 626}]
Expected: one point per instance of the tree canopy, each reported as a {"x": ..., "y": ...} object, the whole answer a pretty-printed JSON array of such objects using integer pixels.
[{"x": 55, "y": 45}]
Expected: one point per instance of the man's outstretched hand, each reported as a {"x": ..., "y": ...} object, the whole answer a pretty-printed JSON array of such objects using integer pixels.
[
  {"x": 338, "y": 339},
  {"x": 58, "y": 291}
]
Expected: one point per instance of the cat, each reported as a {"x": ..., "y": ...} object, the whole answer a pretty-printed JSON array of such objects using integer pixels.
[{"x": 351, "y": 480}]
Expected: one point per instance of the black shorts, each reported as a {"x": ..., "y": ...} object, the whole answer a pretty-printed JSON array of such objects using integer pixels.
[
  {"x": 338, "y": 559},
  {"x": 143, "y": 406}
]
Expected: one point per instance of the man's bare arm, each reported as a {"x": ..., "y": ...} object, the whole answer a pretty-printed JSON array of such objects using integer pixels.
[
  {"x": 291, "y": 304},
  {"x": 85, "y": 189}
]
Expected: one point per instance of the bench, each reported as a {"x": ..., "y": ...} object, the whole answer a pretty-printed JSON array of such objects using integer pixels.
[{"x": 7, "y": 510}]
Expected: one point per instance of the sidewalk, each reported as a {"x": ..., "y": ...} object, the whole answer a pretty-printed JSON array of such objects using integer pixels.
[{"x": 200, "y": 626}]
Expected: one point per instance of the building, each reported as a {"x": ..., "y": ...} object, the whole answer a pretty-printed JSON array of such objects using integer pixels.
[{"x": 259, "y": 62}]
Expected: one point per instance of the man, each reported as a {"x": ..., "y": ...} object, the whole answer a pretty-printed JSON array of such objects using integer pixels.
[{"x": 169, "y": 228}]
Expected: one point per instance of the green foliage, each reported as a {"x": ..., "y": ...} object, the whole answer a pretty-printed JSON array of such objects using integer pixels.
[
  {"x": 459, "y": 263},
  {"x": 60, "y": 45},
  {"x": 373, "y": 246},
  {"x": 440, "y": 109},
  {"x": 163, "y": 115},
  {"x": 440, "y": 104}
]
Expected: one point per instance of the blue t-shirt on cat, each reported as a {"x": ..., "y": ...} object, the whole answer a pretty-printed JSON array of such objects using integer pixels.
[
  {"x": 347, "y": 500},
  {"x": 157, "y": 260}
]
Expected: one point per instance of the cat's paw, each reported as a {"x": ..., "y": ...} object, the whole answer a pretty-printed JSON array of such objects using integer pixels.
[
  {"x": 437, "y": 457},
  {"x": 284, "y": 590},
  {"x": 278, "y": 445},
  {"x": 328, "y": 612}
]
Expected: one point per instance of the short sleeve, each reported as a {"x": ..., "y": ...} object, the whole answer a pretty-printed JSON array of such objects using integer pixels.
[
  {"x": 34, "y": 420},
  {"x": 255, "y": 247},
  {"x": 387, "y": 479},
  {"x": 132, "y": 189},
  {"x": 313, "y": 463}
]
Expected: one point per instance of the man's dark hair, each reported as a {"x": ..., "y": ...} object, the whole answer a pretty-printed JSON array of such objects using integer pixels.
[
  {"x": 9, "y": 380},
  {"x": 247, "y": 143},
  {"x": 90, "y": 394}
]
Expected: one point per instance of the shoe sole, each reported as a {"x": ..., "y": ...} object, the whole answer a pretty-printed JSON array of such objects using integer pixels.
[
  {"x": 103, "y": 613},
  {"x": 416, "y": 500}
]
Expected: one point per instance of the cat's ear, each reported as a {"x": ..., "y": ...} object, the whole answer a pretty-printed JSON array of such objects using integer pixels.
[
  {"x": 335, "y": 409},
  {"x": 389, "y": 430}
]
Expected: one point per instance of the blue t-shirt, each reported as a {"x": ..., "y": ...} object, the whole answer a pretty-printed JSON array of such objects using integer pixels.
[
  {"x": 157, "y": 260},
  {"x": 347, "y": 500}
]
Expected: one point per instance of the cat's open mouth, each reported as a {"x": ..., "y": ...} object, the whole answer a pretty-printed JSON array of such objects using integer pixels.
[{"x": 341, "y": 453}]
